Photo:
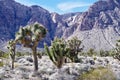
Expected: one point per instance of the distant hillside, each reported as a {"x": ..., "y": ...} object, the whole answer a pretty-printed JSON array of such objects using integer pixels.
[{"x": 98, "y": 28}]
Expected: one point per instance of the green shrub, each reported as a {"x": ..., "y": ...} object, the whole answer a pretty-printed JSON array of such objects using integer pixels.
[
  {"x": 3, "y": 54},
  {"x": 104, "y": 53},
  {"x": 18, "y": 54},
  {"x": 91, "y": 52},
  {"x": 74, "y": 46},
  {"x": 6, "y": 55},
  {"x": 1, "y": 63},
  {"x": 117, "y": 51},
  {"x": 98, "y": 74}
]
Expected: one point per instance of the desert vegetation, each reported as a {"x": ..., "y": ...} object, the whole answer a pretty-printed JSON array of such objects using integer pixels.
[
  {"x": 98, "y": 74},
  {"x": 61, "y": 53},
  {"x": 117, "y": 51},
  {"x": 29, "y": 36}
]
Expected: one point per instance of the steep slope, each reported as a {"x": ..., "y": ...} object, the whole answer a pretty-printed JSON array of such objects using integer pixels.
[
  {"x": 100, "y": 25},
  {"x": 12, "y": 15},
  {"x": 98, "y": 28}
]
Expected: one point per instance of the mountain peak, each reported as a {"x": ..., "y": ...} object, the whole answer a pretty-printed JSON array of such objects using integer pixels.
[
  {"x": 38, "y": 8},
  {"x": 102, "y": 5},
  {"x": 92, "y": 26},
  {"x": 7, "y": 0}
]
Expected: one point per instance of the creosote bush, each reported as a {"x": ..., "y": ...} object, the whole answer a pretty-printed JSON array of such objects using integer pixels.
[
  {"x": 1, "y": 64},
  {"x": 91, "y": 52},
  {"x": 102, "y": 53},
  {"x": 18, "y": 54},
  {"x": 106, "y": 53},
  {"x": 3, "y": 54}
]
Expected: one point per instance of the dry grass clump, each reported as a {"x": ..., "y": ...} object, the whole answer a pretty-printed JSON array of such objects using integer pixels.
[{"x": 98, "y": 74}]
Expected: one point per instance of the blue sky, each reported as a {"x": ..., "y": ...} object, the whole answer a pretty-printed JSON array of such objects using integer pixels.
[{"x": 60, "y": 6}]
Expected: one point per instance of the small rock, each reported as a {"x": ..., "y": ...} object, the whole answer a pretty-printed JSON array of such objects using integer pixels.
[
  {"x": 22, "y": 60},
  {"x": 92, "y": 62},
  {"x": 2, "y": 73},
  {"x": 29, "y": 59},
  {"x": 25, "y": 76}
]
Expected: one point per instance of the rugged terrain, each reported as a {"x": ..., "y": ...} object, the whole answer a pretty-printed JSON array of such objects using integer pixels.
[
  {"x": 48, "y": 71},
  {"x": 98, "y": 27}
]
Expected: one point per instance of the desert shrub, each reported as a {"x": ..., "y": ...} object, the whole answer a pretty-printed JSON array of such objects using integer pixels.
[
  {"x": 18, "y": 54},
  {"x": 117, "y": 51},
  {"x": 91, "y": 52},
  {"x": 104, "y": 53},
  {"x": 6, "y": 55},
  {"x": 1, "y": 63},
  {"x": 74, "y": 48},
  {"x": 98, "y": 74},
  {"x": 3, "y": 54},
  {"x": 82, "y": 54}
]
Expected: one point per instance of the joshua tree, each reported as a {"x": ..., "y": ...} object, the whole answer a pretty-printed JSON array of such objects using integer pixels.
[
  {"x": 57, "y": 52},
  {"x": 11, "y": 47},
  {"x": 29, "y": 36},
  {"x": 74, "y": 46}
]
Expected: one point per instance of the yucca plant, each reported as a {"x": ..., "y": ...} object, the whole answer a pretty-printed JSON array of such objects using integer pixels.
[
  {"x": 57, "y": 51},
  {"x": 11, "y": 47},
  {"x": 117, "y": 51},
  {"x": 74, "y": 46},
  {"x": 29, "y": 36}
]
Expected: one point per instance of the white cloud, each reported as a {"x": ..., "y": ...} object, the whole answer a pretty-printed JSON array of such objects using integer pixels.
[{"x": 71, "y": 5}]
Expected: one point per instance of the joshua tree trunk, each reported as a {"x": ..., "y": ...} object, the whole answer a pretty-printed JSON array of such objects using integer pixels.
[
  {"x": 13, "y": 59},
  {"x": 60, "y": 62},
  {"x": 12, "y": 64},
  {"x": 35, "y": 58}
]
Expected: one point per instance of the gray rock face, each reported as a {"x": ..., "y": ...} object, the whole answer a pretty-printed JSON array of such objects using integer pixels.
[{"x": 99, "y": 27}]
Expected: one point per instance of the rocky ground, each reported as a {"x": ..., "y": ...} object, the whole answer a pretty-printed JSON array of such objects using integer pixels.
[{"x": 47, "y": 71}]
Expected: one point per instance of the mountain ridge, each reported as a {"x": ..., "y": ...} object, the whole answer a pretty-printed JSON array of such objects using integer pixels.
[{"x": 98, "y": 24}]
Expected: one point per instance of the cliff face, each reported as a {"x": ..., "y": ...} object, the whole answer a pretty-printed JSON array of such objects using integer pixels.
[
  {"x": 98, "y": 27},
  {"x": 12, "y": 15}
]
